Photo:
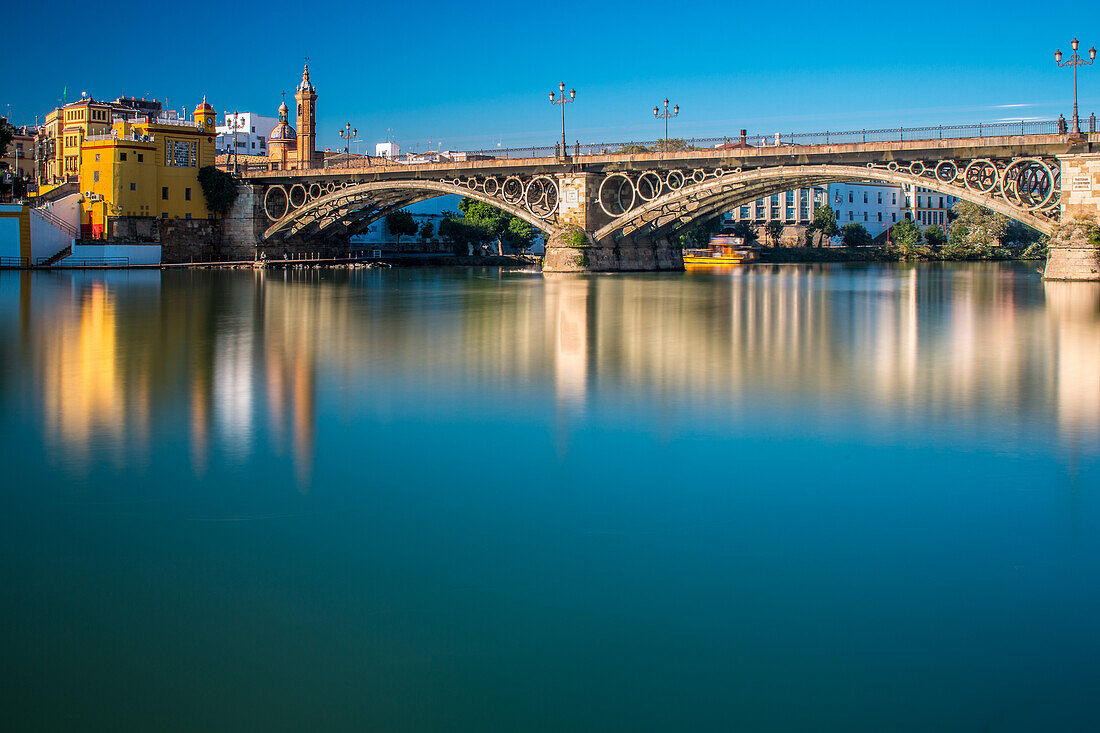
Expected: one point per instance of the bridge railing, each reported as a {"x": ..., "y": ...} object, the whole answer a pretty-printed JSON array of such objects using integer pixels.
[{"x": 749, "y": 140}]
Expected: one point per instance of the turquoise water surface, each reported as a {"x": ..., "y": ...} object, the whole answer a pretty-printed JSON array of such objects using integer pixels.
[{"x": 792, "y": 498}]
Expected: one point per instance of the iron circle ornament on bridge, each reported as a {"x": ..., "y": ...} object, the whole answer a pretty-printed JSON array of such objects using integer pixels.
[
  {"x": 331, "y": 187},
  {"x": 946, "y": 171},
  {"x": 618, "y": 198},
  {"x": 491, "y": 186},
  {"x": 540, "y": 196},
  {"x": 276, "y": 200},
  {"x": 1028, "y": 183},
  {"x": 512, "y": 190},
  {"x": 981, "y": 176},
  {"x": 648, "y": 186},
  {"x": 916, "y": 168},
  {"x": 297, "y": 196},
  {"x": 675, "y": 180},
  {"x": 315, "y": 191}
]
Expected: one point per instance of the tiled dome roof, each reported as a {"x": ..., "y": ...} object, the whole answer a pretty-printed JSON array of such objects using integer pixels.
[{"x": 282, "y": 131}]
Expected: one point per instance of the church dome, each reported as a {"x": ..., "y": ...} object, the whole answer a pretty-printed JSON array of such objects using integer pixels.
[{"x": 282, "y": 131}]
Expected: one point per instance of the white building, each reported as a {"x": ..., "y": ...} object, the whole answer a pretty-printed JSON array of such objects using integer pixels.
[
  {"x": 389, "y": 150},
  {"x": 252, "y": 132},
  {"x": 795, "y": 207},
  {"x": 874, "y": 205}
]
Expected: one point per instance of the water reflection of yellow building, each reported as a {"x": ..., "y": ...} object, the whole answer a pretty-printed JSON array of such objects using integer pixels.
[{"x": 90, "y": 400}]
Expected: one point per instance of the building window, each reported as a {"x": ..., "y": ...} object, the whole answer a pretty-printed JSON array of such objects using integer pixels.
[
  {"x": 253, "y": 145},
  {"x": 894, "y": 198},
  {"x": 880, "y": 216},
  {"x": 133, "y": 186},
  {"x": 187, "y": 215},
  {"x": 893, "y": 216},
  {"x": 95, "y": 176},
  {"x": 186, "y": 194},
  {"x": 97, "y": 157},
  {"x": 253, "y": 128},
  {"x": 850, "y": 199},
  {"x": 164, "y": 193},
  {"x": 122, "y": 156},
  {"x": 864, "y": 216},
  {"x": 164, "y": 215},
  {"x": 849, "y": 214},
  {"x": 920, "y": 201},
  {"x": 941, "y": 202},
  {"x": 880, "y": 197},
  {"x": 141, "y": 158},
  {"x": 864, "y": 197}
]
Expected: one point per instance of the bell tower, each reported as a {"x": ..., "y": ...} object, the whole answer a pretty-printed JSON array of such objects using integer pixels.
[{"x": 307, "y": 122}]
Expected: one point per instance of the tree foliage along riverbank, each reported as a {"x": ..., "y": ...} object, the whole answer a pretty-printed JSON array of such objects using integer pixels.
[{"x": 477, "y": 223}]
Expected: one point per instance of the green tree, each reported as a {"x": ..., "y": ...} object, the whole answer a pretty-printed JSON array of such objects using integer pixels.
[
  {"x": 519, "y": 235},
  {"x": 401, "y": 223},
  {"x": 773, "y": 230},
  {"x": 824, "y": 223},
  {"x": 934, "y": 236},
  {"x": 974, "y": 232},
  {"x": 905, "y": 238},
  {"x": 426, "y": 230},
  {"x": 854, "y": 235},
  {"x": 492, "y": 223},
  {"x": 218, "y": 188},
  {"x": 634, "y": 148}
]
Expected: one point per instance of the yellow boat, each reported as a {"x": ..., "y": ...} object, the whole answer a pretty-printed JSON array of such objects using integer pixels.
[{"x": 722, "y": 250}]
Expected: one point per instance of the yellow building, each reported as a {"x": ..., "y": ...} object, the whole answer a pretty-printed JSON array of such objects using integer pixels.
[
  {"x": 146, "y": 169},
  {"x": 66, "y": 128}
]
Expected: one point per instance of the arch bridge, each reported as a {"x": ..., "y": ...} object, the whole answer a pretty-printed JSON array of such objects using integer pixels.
[{"x": 630, "y": 206}]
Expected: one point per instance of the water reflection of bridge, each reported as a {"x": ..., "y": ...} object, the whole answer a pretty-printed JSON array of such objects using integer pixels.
[{"x": 243, "y": 355}]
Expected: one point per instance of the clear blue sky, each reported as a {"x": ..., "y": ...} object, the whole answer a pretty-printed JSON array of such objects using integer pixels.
[{"x": 474, "y": 75}]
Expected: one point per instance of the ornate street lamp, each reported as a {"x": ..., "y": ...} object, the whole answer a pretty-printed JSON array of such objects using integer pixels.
[
  {"x": 563, "y": 100},
  {"x": 235, "y": 125},
  {"x": 666, "y": 114},
  {"x": 348, "y": 134},
  {"x": 1075, "y": 61}
]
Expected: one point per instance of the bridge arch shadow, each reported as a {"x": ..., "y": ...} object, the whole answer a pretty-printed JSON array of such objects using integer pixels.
[
  {"x": 350, "y": 210},
  {"x": 695, "y": 203}
]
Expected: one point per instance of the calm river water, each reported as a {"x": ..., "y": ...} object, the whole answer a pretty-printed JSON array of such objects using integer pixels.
[{"x": 774, "y": 499}]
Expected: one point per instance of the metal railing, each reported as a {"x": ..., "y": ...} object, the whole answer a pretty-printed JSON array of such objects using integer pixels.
[
  {"x": 53, "y": 219},
  {"x": 754, "y": 139},
  {"x": 87, "y": 262},
  {"x": 15, "y": 261}
]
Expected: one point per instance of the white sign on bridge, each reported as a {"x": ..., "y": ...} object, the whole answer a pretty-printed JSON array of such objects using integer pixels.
[{"x": 1082, "y": 183}]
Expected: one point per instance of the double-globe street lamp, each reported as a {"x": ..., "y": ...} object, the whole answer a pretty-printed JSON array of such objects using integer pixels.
[
  {"x": 666, "y": 114},
  {"x": 563, "y": 100},
  {"x": 235, "y": 125},
  {"x": 1075, "y": 61},
  {"x": 348, "y": 134}
]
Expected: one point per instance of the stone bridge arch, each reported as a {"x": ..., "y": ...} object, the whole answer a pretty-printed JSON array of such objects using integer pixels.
[
  {"x": 353, "y": 207},
  {"x": 696, "y": 202}
]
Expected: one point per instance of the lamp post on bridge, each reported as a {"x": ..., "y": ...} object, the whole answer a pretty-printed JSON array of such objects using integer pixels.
[
  {"x": 348, "y": 134},
  {"x": 563, "y": 100},
  {"x": 235, "y": 125},
  {"x": 1075, "y": 61},
  {"x": 665, "y": 115}
]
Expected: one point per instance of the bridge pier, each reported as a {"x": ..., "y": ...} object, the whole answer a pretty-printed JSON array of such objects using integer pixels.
[
  {"x": 572, "y": 248},
  {"x": 1071, "y": 255}
]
